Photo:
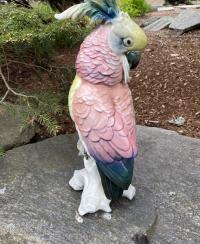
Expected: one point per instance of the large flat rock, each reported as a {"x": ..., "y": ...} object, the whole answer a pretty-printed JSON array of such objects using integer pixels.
[
  {"x": 38, "y": 206},
  {"x": 169, "y": 164},
  {"x": 185, "y": 21},
  {"x": 13, "y": 131}
]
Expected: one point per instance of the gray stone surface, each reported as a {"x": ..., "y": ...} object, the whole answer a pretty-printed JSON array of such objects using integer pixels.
[
  {"x": 187, "y": 20},
  {"x": 149, "y": 21},
  {"x": 12, "y": 131},
  {"x": 159, "y": 24},
  {"x": 169, "y": 165},
  {"x": 37, "y": 205}
]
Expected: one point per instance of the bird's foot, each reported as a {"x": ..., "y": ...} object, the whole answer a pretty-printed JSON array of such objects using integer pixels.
[
  {"x": 91, "y": 204},
  {"x": 130, "y": 193}
]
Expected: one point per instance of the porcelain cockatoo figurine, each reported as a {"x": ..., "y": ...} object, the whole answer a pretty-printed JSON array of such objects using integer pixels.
[{"x": 101, "y": 107}]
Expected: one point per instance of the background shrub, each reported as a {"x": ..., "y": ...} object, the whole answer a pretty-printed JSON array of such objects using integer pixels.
[
  {"x": 30, "y": 40},
  {"x": 135, "y": 7},
  {"x": 37, "y": 31},
  {"x": 30, "y": 36}
]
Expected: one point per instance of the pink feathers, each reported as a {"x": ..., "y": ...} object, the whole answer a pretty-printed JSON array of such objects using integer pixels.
[
  {"x": 102, "y": 105},
  {"x": 106, "y": 122},
  {"x": 96, "y": 62}
]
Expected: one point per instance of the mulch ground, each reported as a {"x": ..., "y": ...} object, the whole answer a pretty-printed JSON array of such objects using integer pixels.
[{"x": 165, "y": 85}]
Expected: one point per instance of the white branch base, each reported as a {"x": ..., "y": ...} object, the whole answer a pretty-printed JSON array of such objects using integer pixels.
[{"x": 93, "y": 197}]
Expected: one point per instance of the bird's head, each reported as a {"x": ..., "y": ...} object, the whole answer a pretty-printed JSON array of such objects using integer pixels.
[{"x": 126, "y": 35}]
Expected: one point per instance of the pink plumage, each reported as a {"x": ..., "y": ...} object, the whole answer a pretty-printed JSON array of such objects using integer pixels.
[
  {"x": 107, "y": 123},
  {"x": 102, "y": 105},
  {"x": 96, "y": 62}
]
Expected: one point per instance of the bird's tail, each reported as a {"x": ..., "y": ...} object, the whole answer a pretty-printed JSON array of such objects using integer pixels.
[
  {"x": 112, "y": 191},
  {"x": 116, "y": 177}
]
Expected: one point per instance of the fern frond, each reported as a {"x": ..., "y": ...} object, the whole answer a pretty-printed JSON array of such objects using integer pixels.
[
  {"x": 44, "y": 113},
  {"x": 49, "y": 122}
]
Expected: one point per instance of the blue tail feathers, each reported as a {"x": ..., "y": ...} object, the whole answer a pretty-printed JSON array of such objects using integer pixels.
[{"x": 116, "y": 176}]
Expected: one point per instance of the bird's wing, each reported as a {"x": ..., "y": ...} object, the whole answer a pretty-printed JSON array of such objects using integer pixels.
[{"x": 104, "y": 116}]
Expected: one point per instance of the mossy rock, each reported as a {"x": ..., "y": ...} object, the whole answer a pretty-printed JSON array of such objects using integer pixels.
[{"x": 13, "y": 130}]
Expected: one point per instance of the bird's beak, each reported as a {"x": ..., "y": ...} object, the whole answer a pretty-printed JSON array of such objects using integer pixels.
[{"x": 133, "y": 58}]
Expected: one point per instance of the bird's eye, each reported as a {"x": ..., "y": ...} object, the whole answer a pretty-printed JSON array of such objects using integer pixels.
[{"x": 128, "y": 42}]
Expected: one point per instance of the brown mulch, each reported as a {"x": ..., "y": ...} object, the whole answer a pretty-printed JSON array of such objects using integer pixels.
[{"x": 166, "y": 83}]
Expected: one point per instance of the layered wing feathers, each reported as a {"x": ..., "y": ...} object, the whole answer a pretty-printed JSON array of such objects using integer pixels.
[{"x": 105, "y": 118}]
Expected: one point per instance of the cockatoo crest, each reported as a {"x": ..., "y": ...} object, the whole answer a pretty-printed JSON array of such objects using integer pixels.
[{"x": 97, "y": 10}]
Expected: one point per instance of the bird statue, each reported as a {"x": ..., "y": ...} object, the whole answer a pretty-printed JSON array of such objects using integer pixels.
[{"x": 101, "y": 106}]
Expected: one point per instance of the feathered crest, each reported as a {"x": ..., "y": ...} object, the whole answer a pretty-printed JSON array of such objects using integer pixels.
[{"x": 97, "y": 10}]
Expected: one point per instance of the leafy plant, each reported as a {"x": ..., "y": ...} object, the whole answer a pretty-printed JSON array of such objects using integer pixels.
[
  {"x": 42, "y": 111},
  {"x": 36, "y": 31},
  {"x": 31, "y": 36},
  {"x": 134, "y": 7}
]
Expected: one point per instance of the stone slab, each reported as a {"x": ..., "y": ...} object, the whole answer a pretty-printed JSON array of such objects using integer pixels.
[
  {"x": 13, "y": 132},
  {"x": 159, "y": 9},
  {"x": 194, "y": 6},
  {"x": 185, "y": 21},
  {"x": 159, "y": 24},
  {"x": 38, "y": 206},
  {"x": 169, "y": 164},
  {"x": 149, "y": 21}
]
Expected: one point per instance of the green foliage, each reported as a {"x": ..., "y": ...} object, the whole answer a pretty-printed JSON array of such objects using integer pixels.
[
  {"x": 134, "y": 7},
  {"x": 42, "y": 111},
  {"x": 36, "y": 31},
  {"x": 32, "y": 36},
  {"x": 2, "y": 152}
]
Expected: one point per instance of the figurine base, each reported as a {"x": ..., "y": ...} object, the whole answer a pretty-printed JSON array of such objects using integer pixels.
[{"x": 93, "y": 197}]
